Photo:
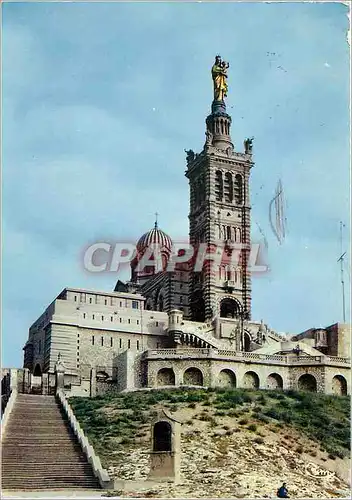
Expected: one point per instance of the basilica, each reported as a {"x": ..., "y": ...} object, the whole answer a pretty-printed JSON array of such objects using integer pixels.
[{"x": 185, "y": 327}]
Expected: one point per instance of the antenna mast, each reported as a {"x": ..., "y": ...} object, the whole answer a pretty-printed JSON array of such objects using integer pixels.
[{"x": 341, "y": 260}]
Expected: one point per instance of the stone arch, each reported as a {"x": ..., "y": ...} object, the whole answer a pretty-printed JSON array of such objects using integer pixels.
[
  {"x": 219, "y": 185},
  {"x": 251, "y": 380},
  {"x": 239, "y": 189},
  {"x": 102, "y": 375},
  {"x": 228, "y": 188},
  {"x": 339, "y": 385},
  {"x": 307, "y": 382},
  {"x": 227, "y": 378},
  {"x": 229, "y": 308},
  {"x": 275, "y": 381},
  {"x": 37, "y": 372},
  {"x": 246, "y": 341},
  {"x": 162, "y": 434},
  {"x": 166, "y": 376},
  {"x": 160, "y": 301},
  {"x": 193, "y": 376}
]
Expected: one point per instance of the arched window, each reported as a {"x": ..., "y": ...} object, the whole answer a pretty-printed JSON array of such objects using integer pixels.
[
  {"x": 228, "y": 188},
  {"x": 219, "y": 188},
  {"x": 238, "y": 189},
  {"x": 162, "y": 436},
  {"x": 229, "y": 308}
]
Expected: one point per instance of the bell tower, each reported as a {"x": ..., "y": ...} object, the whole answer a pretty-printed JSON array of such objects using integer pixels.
[{"x": 220, "y": 214}]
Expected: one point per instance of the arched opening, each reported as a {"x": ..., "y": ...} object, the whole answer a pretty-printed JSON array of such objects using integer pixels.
[
  {"x": 227, "y": 378},
  {"x": 307, "y": 383},
  {"x": 251, "y": 380},
  {"x": 228, "y": 187},
  {"x": 339, "y": 385},
  {"x": 247, "y": 342},
  {"x": 166, "y": 376},
  {"x": 102, "y": 376},
  {"x": 193, "y": 376},
  {"x": 160, "y": 303},
  {"x": 275, "y": 381},
  {"x": 162, "y": 436},
  {"x": 219, "y": 188},
  {"x": 238, "y": 189},
  {"x": 198, "y": 307},
  {"x": 229, "y": 308},
  {"x": 37, "y": 371}
]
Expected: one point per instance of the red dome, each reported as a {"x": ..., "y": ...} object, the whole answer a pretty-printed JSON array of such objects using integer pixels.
[{"x": 154, "y": 236}]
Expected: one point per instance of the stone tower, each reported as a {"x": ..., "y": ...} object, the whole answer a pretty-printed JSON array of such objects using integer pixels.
[{"x": 220, "y": 214}]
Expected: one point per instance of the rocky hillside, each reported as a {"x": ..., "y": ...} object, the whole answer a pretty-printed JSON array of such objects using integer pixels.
[{"x": 235, "y": 443}]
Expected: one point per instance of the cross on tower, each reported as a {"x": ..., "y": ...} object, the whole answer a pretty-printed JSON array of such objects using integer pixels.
[{"x": 156, "y": 220}]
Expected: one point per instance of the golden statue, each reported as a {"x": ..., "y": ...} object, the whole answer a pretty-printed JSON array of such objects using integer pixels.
[{"x": 219, "y": 74}]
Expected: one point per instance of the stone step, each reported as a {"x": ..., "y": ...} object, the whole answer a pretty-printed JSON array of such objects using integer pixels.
[
  {"x": 50, "y": 464},
  {"x": 40, "y": 450},
  {"x": 78, "y": 474},
  {"x": 26, "y": 480},
  {"x": 24, "y": 484}
]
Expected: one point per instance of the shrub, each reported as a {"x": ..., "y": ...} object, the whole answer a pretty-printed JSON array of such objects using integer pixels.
[
  {"x": 192, "y": 405},
  {"x": 243, "y": 421},
  {"x": 232, "y": 413},
  {"x": 259, "y": 440},
  {"x": 263, "y": 418},
  {"x": 299, "y": 449},
  {"x": 332, "y": 457},
  {"x": 252, "y": 427},
  {"x": 272, "y": 413},
  {"x": 213, "y": 422},
  {"x": 261, "y": 399}
]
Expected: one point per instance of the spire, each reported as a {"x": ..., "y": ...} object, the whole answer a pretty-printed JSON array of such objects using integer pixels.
[
  {"x": 219, "y": 122},
  {"x": 156, "y": 220}
]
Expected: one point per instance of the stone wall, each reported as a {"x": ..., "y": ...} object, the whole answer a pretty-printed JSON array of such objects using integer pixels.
[{"x": 246, "y": 374}]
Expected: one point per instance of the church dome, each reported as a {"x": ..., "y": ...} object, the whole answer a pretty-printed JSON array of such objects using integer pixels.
[{"x": 154, "y": 236}]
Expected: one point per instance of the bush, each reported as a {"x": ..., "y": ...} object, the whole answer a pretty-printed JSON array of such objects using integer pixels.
[
  {"x": 232, "y": 413},
  {"x": 243, "y": 421},
  {"x": 263, "y": 418},
  {"x": 299, "y": 449},
  {"x": 272, "y": 413},
  {"x": 192, "y": 405},
  {"x": 252, "y": 427},
  {"x": 259, "y": 440}
]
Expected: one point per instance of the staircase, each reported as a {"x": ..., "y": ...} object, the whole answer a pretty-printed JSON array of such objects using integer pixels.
[
  {"x": 194, "y": 335},
  {"x": 39, "y": 451}
]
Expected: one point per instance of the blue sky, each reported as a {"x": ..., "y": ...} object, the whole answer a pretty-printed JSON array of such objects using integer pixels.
[{"x": 99, "y": 103}]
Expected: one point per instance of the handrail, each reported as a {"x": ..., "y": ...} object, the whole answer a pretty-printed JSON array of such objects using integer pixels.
[
  {"x": 244, "y": 356},
  {"x": 8, "y": 409},
  {"x": 102, "y": 475}
]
